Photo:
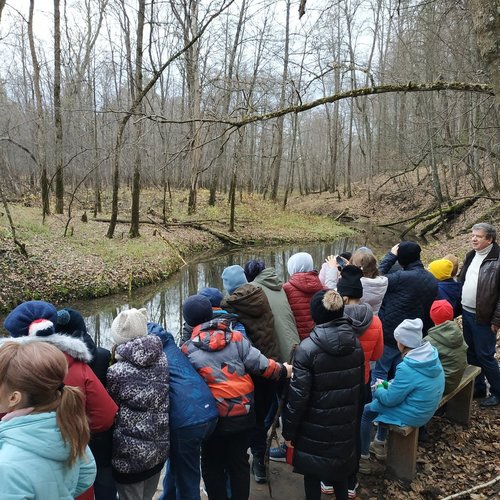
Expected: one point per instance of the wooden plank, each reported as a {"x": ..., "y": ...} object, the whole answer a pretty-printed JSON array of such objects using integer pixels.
[
  {"x": 470, "y": 373},
  {"x": 402, "y": 454}
]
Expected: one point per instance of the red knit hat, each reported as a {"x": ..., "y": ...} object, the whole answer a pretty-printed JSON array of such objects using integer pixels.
[{"x": 441, "y": 311}]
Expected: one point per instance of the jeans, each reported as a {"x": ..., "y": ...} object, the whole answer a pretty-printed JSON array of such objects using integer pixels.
[
  {"x": 182, "y": 478},
  {"x": 386, "y": 365},
  {"x": 481, "y": 352},
  {"x": 222, "y": 453},
  {"x": 312, "y": 487},
  {"x": 366, "y": 430}
]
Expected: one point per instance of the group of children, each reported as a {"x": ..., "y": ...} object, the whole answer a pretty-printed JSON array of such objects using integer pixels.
[{"x": 204, "y": 403}]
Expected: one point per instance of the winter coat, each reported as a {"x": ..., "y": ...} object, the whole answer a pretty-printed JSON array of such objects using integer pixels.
[
  {"x": 374, "y": 290},
  {"x": 284, "y": 322},
  {"x": 34, "y": 461},
  {"x": 321, "y": 417},
  {"x": 448, "y": 339},
  {"x": 299, "y": 290},
  {"x": 138, "y": 382},
  {"x": 220, "y": 313},
  {"x": 99, "y": 406},
  {"x": 410, "y": 294},
  {"x": 488, "y": 286},
  {"x": 368, "y": 329},
  {"x": 415, "y": 392},
  {"x": 451, "y": 291},
  {"x": 252, "y": 307},
  {"x": 191, "y": 402},
  {"x": 225, "y": 358}
]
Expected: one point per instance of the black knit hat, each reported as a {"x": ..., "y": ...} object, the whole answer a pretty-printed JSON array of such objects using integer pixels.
[
  {"x": 196, "y": 310},
  {"x": 408, "y": 252},
  {"x": 326, "y": 306},
  {"x": 349, "y": 284}
]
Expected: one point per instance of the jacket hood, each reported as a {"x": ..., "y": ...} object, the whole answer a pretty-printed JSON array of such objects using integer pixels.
[
  {"x": 306, "y": 282},
  {"x": 253, "y": 297},
  {"x": 37, "y": 433},
  {"x": 214, "y": 335},
  {"x": 446, "y": 334},
  {"x": 425, "y": 360},
  {"x": 335, "y": 337},
  {"x": 74, "y": 347},
  {"x": 361, "y": 316},
  {"x": 142, "y": 351},
  {"x": 268, "y": 279}
]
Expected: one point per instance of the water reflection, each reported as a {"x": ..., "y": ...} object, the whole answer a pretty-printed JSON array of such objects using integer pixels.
[{"x": 164, "y": 300}]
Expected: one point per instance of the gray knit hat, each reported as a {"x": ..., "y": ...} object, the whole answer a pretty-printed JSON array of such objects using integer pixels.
[
  {"x": 409, "y": 333},
  {"x": 129, "y": 325}
]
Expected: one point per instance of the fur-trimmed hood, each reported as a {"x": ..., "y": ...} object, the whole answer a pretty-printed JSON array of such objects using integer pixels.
[{"x": 71, "y": 346}]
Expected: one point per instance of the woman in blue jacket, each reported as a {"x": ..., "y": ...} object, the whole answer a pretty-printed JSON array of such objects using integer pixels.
[
  {"x": 412, "y": 397},
  {"x": 193, "y": 417},
  {"x": 44, "y": 433}
]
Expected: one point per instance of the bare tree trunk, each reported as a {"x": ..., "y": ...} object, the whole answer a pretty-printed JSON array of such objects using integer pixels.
[
  {"x": 44, "y": 181},
  {"x": 136, "y": 186},
  {"x": 280, "y": 123},
  {"x": 59, "y": 178}
]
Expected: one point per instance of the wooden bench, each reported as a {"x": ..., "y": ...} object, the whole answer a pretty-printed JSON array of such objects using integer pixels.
[{"x": 402, "y": 442}]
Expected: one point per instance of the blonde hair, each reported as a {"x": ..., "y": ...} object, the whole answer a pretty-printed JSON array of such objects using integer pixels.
[
  {"x": 332, "y": 301},
  {"x": 454, "y": 260},
  {"x": 366, "y": 261},
  {"x": 37, "y": 371}
]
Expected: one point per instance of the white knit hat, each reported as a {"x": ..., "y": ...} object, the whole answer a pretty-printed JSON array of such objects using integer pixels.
[
  {"x": 409, "y": 333},
  {"x": 129, "y": 325}
]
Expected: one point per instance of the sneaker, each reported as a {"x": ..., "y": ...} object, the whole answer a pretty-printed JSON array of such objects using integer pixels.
[
  {"x": 259, "y": 470},
  {"x": 378, "y": 449},
  {"x": 326, "y": 489},
  {"x": 278, "y": 454},
  {"x": 491, "y": 401},
  {"x": 351, "y": 493},
  {"x": 365, "y": 465}
]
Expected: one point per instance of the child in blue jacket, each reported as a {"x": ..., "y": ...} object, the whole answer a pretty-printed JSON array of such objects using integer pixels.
[
  {"x": 193, "y": 417},
  {"x": 412, "y": 397}
]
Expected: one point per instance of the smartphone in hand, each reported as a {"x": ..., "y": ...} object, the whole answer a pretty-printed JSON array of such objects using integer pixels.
[{"x": 340, "y": 261}]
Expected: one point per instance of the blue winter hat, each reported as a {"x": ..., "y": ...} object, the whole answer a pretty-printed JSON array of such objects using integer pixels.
[
  {"x": 34, "y": 317},
  {"x": 196, "y": 310},
  {"x": 233, "y": 277},
  {"x": 213, "y": 295},
  {"x": 70, "y": 321},
  {"x": 253, "y": 268}
]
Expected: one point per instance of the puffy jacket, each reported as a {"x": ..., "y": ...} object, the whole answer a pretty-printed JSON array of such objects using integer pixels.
[
  {"x": 415, "y": 392},
  {"x": 299, "y": 290},
  {"x": 33, "y": 461},
  {"x": 448, "y": 339},
  {"x": 374, "y": 290},
  {"x": 284, "y": 322},
  {"x": 138, "y": 382},
  {"x": 191, "y": 402},
  {"x": 368, "y": 329},
  {"x": 225, "y": 358},
  {"x": 410, "y": 294},
  {"x": 321, "y": 417},
  {"x": 99, "y": 406},
  {"x": 488, "y": 286},
  {"x": 451, "y": 291},
  {"x": 252, "y": 307}
]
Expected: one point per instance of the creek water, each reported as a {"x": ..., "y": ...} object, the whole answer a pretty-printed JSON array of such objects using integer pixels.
[{"x": 163, "y": 301}]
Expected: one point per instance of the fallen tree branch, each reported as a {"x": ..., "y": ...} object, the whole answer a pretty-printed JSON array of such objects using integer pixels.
[{"x": 471, "y": 490}]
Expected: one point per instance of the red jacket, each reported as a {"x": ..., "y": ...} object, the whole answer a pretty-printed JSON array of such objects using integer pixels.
[
  {"x": 372, "y": 342},
  {"x": 299, "y": 290}
]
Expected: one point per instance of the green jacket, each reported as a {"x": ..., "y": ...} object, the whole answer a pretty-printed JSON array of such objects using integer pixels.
[
  {"x": 284, "y": 322},
  {"x": 448, "y": 339}
]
